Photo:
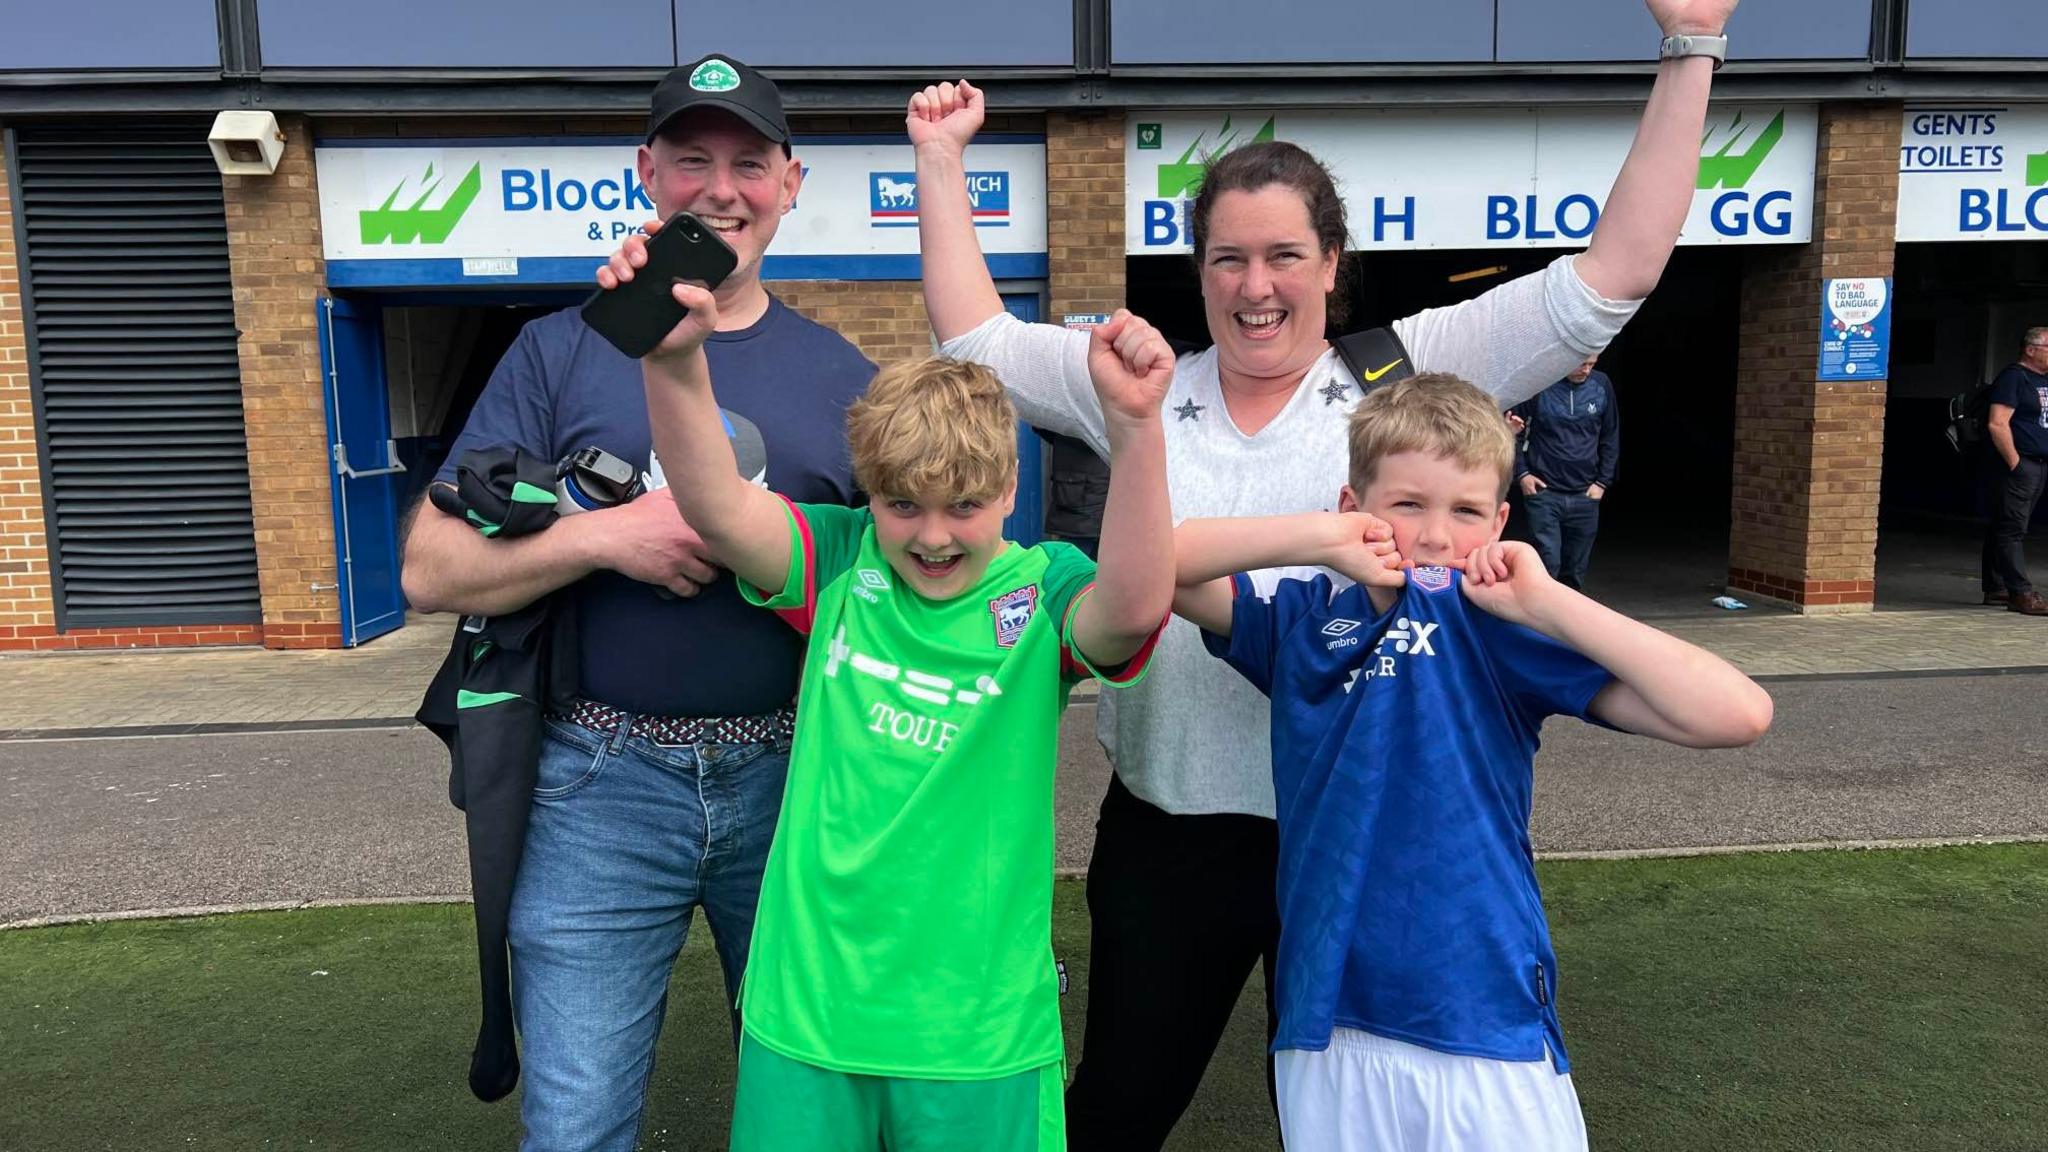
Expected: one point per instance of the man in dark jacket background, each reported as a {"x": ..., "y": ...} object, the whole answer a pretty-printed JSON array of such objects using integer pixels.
[{"x": 1565, "y": 465}]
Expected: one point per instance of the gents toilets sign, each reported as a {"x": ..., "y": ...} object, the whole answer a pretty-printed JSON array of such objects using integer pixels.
[
  {"x": 1483, "y": 178},
  {"x": 1974, "y": 172},
  {"x": 430, "y": 214}
]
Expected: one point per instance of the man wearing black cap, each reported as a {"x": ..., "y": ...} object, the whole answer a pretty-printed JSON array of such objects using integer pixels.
[{"x": 659, "y": 793}]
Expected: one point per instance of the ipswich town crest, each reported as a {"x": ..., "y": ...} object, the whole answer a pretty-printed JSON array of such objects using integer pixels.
[
  {"x": 1430, "y": 579},
  {"x": 1012, "y": 613}
]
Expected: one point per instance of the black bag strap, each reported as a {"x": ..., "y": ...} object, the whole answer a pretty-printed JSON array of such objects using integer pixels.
[{"x": 1375, "y": 357}]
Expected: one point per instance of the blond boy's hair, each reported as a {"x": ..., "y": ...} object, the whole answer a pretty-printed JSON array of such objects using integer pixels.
[
  {"x": 934, "y": 430},
  {"x": 1433, "y": 412}
]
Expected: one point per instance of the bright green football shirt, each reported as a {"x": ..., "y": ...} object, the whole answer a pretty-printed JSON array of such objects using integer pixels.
[{"x": 905, "y": 923}]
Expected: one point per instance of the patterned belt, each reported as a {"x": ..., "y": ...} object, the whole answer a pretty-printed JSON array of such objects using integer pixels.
[{"x": 679, "y": 731}]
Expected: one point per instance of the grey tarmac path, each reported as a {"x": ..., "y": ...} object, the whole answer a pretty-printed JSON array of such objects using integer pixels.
[
  {"x": 71, "y": 694},
  {"x": 92, "y": 826}
]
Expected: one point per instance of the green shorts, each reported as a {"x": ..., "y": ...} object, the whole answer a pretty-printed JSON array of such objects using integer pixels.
[{"x": 784, "y": 1104}]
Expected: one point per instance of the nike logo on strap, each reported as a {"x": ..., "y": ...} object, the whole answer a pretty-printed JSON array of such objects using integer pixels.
[{"x": 1372, "y": 376}]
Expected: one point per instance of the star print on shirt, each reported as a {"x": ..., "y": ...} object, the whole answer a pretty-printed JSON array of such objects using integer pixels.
[
  {"x": 1334, "y": 392},
  {"x": 1189, "y": 410}
]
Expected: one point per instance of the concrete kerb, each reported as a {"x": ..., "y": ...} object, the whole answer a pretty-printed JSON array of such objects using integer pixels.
[
  {"x": 1062, "y": 874},
  {"x": 198, "y": 910}
]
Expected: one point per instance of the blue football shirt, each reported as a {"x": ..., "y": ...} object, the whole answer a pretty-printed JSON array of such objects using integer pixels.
[{"x": 1404, "y": 746}]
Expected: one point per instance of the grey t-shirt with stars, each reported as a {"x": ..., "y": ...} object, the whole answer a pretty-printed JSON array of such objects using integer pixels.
[{"x": 1192, "y": 738}]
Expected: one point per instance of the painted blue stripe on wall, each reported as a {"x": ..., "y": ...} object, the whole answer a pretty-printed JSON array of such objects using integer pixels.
[{"x": 581, "y": 270}]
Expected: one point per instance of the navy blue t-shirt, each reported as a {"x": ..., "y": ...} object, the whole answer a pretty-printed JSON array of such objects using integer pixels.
[
  {"x": 1404, "y": 746},
  {"x": 562, "y": 387},
  {"x": 2026, "y": 393}
]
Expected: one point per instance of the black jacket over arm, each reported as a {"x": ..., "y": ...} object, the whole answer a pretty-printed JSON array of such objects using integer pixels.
[{"x": 503, "y": 674}]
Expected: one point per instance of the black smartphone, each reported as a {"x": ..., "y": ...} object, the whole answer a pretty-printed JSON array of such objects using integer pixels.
[{"x": 638, "y": 314}]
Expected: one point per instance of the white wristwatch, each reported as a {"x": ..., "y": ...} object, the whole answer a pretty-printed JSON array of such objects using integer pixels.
[{"x": 1715, "y": 47}]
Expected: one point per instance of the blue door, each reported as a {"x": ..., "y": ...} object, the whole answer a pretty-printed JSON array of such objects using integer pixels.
[
  {"x": 363, "y": 467},
  {"x": 1026, "y": 524}
]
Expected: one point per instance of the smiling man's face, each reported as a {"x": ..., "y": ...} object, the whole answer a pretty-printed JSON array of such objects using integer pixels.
[{"x": 712, "y": 164}]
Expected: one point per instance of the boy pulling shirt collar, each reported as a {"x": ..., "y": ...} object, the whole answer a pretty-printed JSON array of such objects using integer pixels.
[
  {"x": 1403, "y": 752},
  {"x": 905, "y": 922}
]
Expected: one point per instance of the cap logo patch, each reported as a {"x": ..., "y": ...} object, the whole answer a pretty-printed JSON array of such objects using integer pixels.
[{"x": 714, "y": 75}]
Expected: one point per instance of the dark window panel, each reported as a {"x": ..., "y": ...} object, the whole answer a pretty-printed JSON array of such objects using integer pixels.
[
  {"x": 109, "y": 34},
  {"x": 1300, "y": 31},
  {"x": 880, "y": 33},
  {"x": 1578, "y": 30},
  {"x": 1991, "y": 29},
  {"x": 537, "y": 34}
]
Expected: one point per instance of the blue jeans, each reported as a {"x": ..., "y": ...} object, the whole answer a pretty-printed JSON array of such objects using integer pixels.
[
  {"x": 1563, "y": 524},
  {"x": 628, "y": 837}
]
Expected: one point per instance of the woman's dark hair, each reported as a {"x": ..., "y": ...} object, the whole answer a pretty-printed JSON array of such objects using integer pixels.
[{"x": 1262, "y": 165}]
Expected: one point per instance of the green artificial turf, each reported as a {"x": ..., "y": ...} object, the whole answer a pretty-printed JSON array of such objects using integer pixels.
[
  {"x": 1812, "y": 1001},
  {"x": 1798, "y": 1002}
]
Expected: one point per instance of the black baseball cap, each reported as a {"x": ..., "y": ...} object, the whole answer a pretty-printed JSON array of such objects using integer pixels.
[{"x": 720, "y": 82}]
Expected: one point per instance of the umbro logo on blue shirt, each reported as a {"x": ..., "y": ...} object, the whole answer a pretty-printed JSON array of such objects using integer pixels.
[{"x": 1339, "y": 630}]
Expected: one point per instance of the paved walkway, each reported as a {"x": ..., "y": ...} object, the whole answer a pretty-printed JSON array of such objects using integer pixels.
[
  {"x": 349, "y": 801},
  {"x": 183, "y": 688},
  {"x": 1872, "y": 642},
  {"x": 187, "y": 689}
]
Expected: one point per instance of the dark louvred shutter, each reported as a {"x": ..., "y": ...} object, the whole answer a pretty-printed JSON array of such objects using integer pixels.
[{"x": 132, "y": 338}]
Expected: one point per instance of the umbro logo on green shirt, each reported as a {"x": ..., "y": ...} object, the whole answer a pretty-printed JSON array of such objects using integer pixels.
[{"x": 871, "y": 581}]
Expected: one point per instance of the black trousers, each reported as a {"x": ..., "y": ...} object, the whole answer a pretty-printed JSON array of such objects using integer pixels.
[
  {"x": 1181, "y": 908},
  {"x": 2011, "y": 509}
]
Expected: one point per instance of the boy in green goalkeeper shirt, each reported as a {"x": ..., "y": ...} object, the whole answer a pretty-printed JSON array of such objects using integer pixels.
[{"x": 900, "y": 991}]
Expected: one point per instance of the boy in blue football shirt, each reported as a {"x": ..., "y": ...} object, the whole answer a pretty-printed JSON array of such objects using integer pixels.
[{"x": 1416, "y": 985}]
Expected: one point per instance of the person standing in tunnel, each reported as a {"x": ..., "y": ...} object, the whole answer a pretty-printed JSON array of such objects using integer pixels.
[
  {"x": 1564, "y": 464},
  {"x": 1077, "y": 489},
  {"x": 2017, "y": 428}
]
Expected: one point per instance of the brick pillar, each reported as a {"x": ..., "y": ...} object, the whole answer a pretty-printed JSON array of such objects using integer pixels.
[
  {"x": 885, "y": 319},
  {"x": 278, "y": 271},
  {"x": 27, "y": 611},
  {"x": 1084, "y": 205},
  {"x": 1809, "y": 453}
]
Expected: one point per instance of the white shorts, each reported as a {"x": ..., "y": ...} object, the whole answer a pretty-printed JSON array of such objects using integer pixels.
[{"x": 1366, "y": 1093}]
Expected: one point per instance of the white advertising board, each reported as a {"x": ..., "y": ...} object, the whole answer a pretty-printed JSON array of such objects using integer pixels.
[
  {"x": 1974, "y": 172},
  {"x": 1482, "y": 178},
  {"x": 438, "y": 213}
]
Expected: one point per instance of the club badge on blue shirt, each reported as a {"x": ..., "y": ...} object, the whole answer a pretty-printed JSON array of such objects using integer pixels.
[{"x": 1430, "y": 579}]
